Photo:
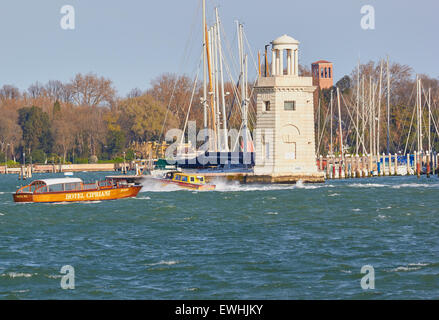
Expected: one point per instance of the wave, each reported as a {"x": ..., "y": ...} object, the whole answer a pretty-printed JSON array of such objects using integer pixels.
[
  {"x": 18, "y": 275},
  {"x": 163, "y": 262},
  {"x": 368, "y": 185},
  {"x": 409, "y": 267},
  {"x": 415, "y": 185},
  {"x": 142, "y": 198},
  {"x": 229, "y": 186}
]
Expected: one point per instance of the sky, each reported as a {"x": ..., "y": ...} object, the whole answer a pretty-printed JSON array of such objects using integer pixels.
[{"x": 134, "y": 41}]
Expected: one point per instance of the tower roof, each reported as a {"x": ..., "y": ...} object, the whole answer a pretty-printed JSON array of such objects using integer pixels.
[
  {"x": 321, "y": 61},
  {"x": 285, "y": 40}
]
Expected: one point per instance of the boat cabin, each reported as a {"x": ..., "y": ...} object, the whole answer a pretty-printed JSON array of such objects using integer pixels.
[{"x": 63, "y": 184}]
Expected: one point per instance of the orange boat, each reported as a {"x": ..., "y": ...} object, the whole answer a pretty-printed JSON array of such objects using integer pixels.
[
  {"x": 186, "y": 181},
  {"x": 73, "y": 189}
]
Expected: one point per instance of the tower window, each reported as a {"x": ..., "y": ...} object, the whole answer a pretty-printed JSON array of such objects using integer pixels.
[
  {"x": 329, "y": 71},
  {"x": 290, "y": 105},
  {"x": 326, "y": 72},
  {"x": 266, "y": 105}
]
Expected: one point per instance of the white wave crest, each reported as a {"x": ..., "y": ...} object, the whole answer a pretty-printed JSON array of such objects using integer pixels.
[
  {"x": 18, "y": 275},
  {"x": 163, "y": 262}
]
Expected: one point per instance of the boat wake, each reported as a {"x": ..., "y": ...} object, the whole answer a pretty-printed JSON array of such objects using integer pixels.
[
  {"x": 235, "y": 186},
  {"x": 150, "y": 185}
]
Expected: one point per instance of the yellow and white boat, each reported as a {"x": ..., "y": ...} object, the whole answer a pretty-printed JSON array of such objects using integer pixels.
[{"x": 186, "y": 181}]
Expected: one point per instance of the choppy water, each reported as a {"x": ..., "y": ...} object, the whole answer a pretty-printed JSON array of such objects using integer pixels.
[{"x": 251, "y": 242}]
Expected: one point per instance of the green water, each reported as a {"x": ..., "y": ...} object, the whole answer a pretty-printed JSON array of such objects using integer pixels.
[{"x": 239, "y": 242}]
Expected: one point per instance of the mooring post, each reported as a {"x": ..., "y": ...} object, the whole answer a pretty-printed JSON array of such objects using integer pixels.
[
  {"x": 357, "y": 166},
  {"x": 327, "y": 167},
  {"x": 437, "y": 164},
  {"x": 415, "y": 162},
  {"x": 339, "y": 168},
  {"x": 333, "y": 167},
  {"x": 395, "y": 170},
  {"x": 390, "y": 163},
  {"x": 362, "y": 166},
  {"x": 418, "y": 165},
  {"x": 353, "y": 166},
  {"x": 321, "y": 162},
  {"x": 379, "y": 164},
  {"x": 428, "y": 164}
]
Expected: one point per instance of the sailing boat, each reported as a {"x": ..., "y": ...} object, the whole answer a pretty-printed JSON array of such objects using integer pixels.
[{"x": 218, "y": 154}]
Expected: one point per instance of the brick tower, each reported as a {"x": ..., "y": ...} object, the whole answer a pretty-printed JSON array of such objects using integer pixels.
[{"x": 322, "y": 74}]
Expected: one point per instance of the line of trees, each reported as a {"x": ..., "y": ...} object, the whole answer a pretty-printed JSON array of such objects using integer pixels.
[{"x": 84, "y": 120}]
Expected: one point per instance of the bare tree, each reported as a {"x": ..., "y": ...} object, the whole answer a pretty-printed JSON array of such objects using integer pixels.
[
  {"x": 36, "y": 90},
  {"x": 9, "y": 92},
  {"x": 134, "y": 93},
  {"x": 90, "y": 90},
  {"x": 54, "y": 90}
]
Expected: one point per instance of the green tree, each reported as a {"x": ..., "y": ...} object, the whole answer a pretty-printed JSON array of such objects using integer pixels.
[
  {"x": 35, "y": 125},
  {"x": 56, "y": 109},
  {"x": 115, "y": 141}
]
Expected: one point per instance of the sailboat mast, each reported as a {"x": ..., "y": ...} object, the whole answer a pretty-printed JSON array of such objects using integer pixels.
[
  {"x": 332, "y": 116},
  {"x": 223, "y": 100},
  {"x": 204, "y": 67},
  {"x": 339, "y": 124},
  {"x": 358, "y": 106},
  {"x": 388, "y": 106},
  {"x": 429, "y": 120},
  {"x": 363, "y": 115},
  {"x": 379, "y": 108},
  {"x": 216, "y": 91},
  {"x": 420, "y": 115},
  {"x": 212, "y": 104},
  {"x": 243, "y": 88},
  {"x": 370, "y": 117}
]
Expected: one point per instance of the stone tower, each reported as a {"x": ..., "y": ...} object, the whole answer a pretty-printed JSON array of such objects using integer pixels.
[{"x": 285, "y": 142}]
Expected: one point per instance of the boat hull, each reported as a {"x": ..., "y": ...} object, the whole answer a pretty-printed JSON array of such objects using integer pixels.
[{"x": 83, "y": 195}]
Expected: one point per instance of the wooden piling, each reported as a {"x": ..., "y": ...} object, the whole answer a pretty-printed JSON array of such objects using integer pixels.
[
  {"x": 395, "y": 169},
  {"x": 327, "y": 167},
  {"x": 428, "y": 164},
  {"x": 418, "y": 165},
  {"x": 339, "y": 168}
]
